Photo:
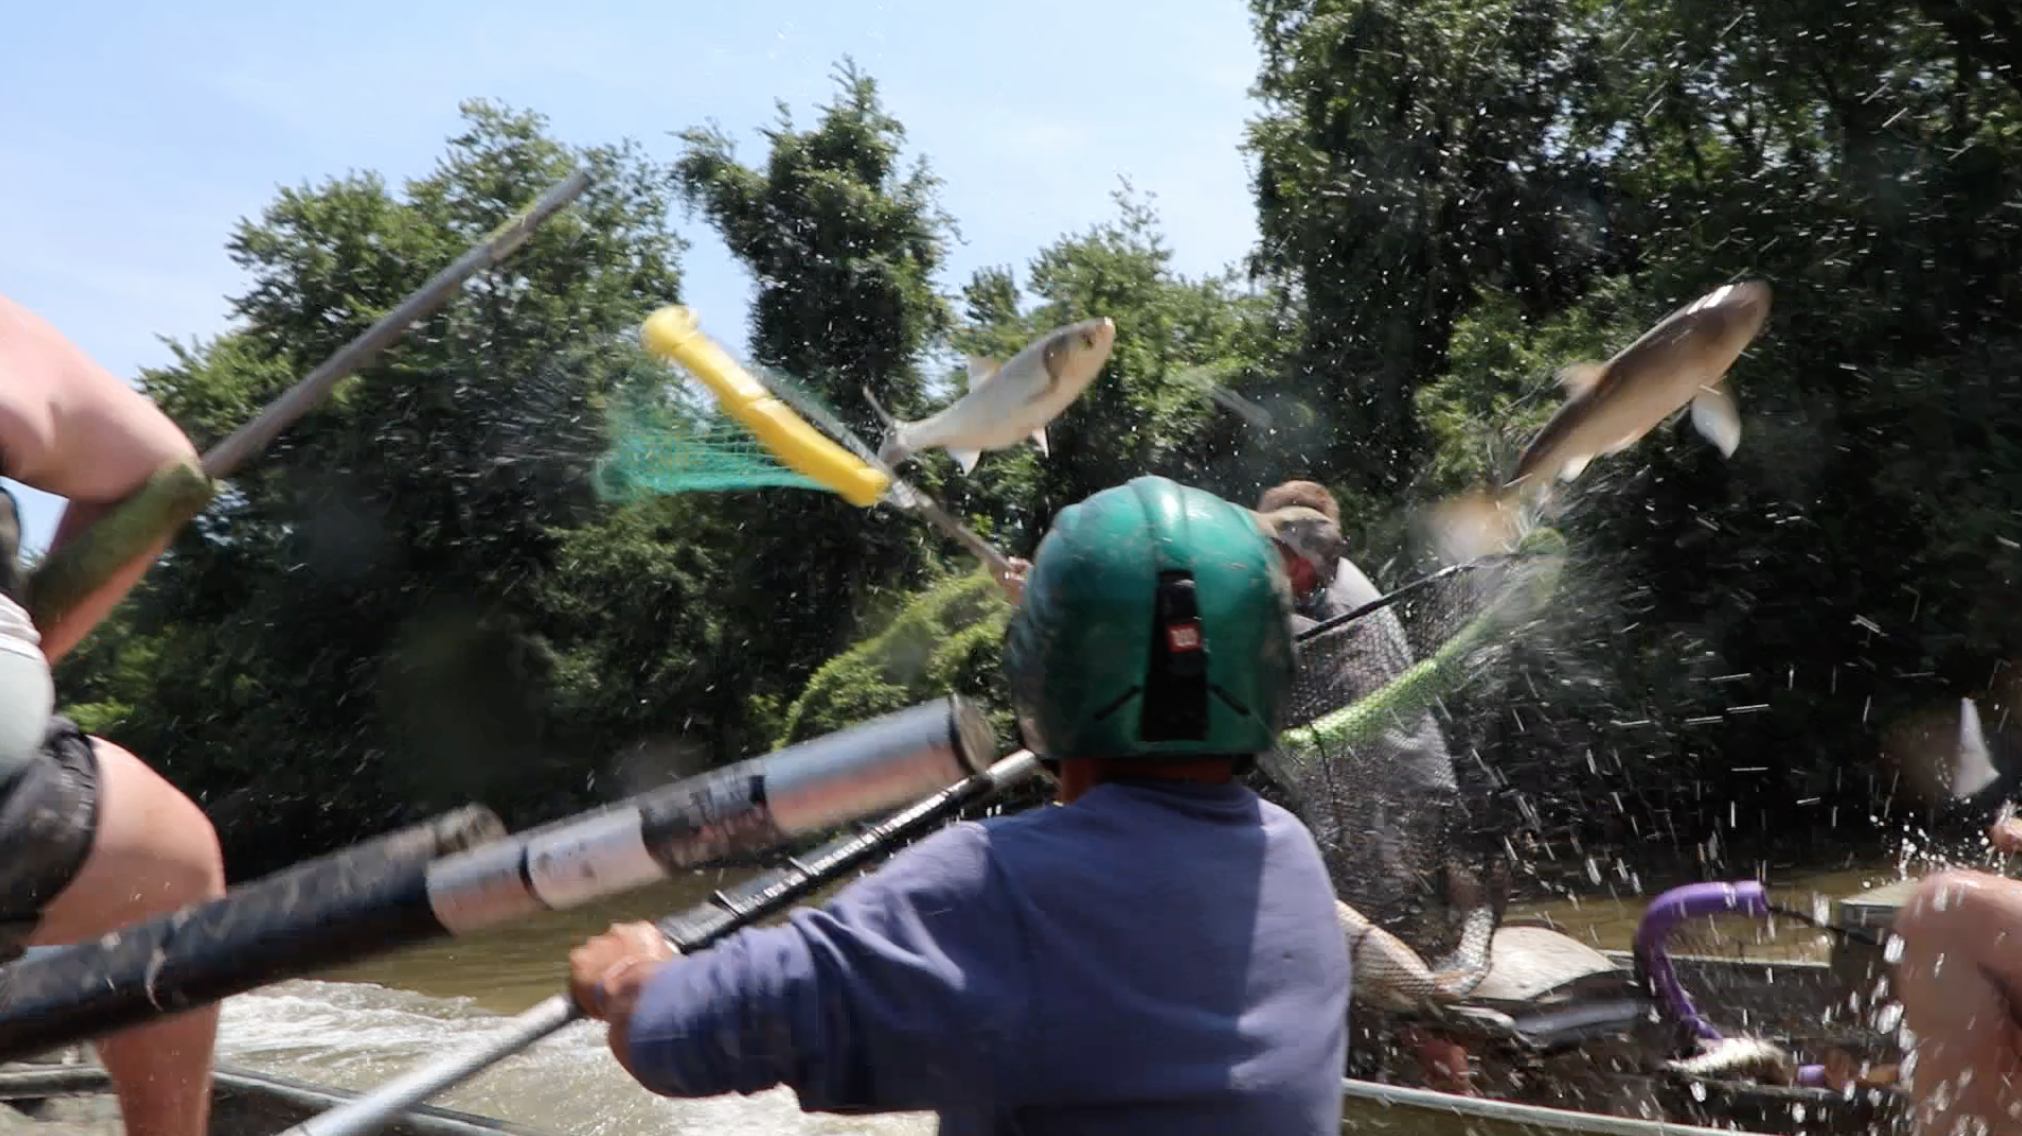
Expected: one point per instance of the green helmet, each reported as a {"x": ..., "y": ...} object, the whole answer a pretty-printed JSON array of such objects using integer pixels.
[{"x": 1156, "y": 623}]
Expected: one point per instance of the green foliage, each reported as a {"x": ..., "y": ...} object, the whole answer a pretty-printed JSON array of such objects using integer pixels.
[
  {"x": 1407, "y": 157},
  {"x": 845, "y": 246},
  {"x": 944, "y": 642},
  {"x": 415, "y": 597},
  {"x": 1461, "y": 199},
  {"x": 1501, "y": 389},
  {"x": 360, "y": 629},
  {"x": 1150, "y": 409}
]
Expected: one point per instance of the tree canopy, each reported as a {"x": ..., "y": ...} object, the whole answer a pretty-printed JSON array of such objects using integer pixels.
[{"x": 413, "y": 599}]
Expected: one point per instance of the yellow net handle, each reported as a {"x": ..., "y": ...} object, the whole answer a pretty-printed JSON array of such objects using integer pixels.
[{"x": 673, "y": 333}]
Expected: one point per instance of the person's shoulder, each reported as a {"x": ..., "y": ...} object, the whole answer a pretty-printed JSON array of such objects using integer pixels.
[
  {"x": 1351, "y": 585},
  {"x": 1038, "y": 816},
  {"x": 1002, "y": 836},
  {"x": 1049, "y": 837},
  {"x": 1271, "y": 813},
  {"x": 1283, "y": 829},
  {"x": 939, "y": 887}
]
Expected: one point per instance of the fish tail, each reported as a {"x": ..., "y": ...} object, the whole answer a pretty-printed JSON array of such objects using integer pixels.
[
  {"x": 1478, "y": 522},
  {"x": 893, "y": 451}
]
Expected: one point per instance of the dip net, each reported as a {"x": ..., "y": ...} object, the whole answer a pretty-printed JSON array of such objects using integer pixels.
[
  {"x": 666, "y": 437},
  {"x": 1395, "y": 711}
]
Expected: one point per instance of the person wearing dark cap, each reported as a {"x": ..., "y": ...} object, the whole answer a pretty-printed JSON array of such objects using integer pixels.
[
  {"x": 1344, "y": 587},
  {"x": 1388, "y": 815}
]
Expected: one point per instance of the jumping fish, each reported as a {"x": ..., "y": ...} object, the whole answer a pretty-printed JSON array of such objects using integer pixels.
[
  {"x": 1610, "y": 406},
  {"x": 1006, "y": 403},
  {"x": 1390, "y": 974}
]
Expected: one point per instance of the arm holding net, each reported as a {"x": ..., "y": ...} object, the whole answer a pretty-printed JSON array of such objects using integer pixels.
[{"x": 1444, "y": 671}]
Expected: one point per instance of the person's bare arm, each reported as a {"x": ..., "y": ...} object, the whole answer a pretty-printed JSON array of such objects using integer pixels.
[
  {"x": 69, "y": 427},
  {"x": 1959, "y": 979}
]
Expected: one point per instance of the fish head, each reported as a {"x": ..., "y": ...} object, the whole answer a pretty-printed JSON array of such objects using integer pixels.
[
  {"x": 1074, "y": 354},
  {"x": 1722, "y": 323},
  {"x": 1694, "y": 345}
]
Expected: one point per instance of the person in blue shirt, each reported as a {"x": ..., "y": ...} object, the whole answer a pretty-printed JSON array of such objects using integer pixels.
[{"x": 1157, "y": 954}]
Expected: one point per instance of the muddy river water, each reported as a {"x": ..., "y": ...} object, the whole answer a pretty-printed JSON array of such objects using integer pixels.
[{"x": 359, "y": 1027}]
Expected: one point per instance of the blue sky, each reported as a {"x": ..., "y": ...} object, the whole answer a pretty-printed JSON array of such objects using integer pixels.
[{"x": 135, "y": 136}]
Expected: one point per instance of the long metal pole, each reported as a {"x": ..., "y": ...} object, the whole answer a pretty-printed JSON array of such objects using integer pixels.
[
  {"x": 179, "y": 492},
  {"x": 226, "y": 457},
  {"x": 689, "y": 931}
]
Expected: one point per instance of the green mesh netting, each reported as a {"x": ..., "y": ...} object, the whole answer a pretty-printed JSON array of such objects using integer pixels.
[
  {"x": 1382, "y": 706},
  {"x": 656, "y": 451},
  {"x": 665, "y": 438}
]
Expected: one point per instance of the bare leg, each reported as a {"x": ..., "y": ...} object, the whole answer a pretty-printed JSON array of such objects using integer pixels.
[
  {"x": 154, "y": 852},
  {"x": 1958, "y": 978}
]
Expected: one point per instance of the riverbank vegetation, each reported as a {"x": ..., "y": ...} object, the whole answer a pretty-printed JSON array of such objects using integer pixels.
[{"x": 415, "y": 599}]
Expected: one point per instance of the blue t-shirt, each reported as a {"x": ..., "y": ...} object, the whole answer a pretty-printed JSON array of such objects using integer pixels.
[{"x": 1154, "y": 958}]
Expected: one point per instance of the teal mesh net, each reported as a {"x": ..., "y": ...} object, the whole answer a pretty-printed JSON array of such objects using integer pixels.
[{"x": 657, "y": 450}]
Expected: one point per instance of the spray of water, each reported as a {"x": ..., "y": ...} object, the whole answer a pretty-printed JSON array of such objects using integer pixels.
[{"x": 357, "y": 1036}]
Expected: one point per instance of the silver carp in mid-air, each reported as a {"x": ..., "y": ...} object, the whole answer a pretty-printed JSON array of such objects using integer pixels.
[
  {"x": 1006, "y": 403},
  {"x": 1610, "y": 406}
]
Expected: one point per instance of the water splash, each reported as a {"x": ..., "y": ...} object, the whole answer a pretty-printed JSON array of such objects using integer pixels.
[{"x": 358, "y": 1036}]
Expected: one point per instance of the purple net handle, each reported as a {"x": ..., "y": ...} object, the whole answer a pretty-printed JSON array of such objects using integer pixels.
[
  {"x": 1663, "y": 916},
  {"x": 1665, "y": 913}
]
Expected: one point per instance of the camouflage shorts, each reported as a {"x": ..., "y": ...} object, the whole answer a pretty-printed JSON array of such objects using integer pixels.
[{"x": 48, "y": 819}]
